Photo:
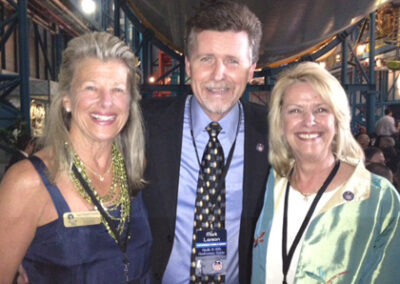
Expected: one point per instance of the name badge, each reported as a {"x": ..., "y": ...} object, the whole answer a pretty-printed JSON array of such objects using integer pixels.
[
  {"x": 211, "y": 252},
  {"x": 83, "y": 218}
]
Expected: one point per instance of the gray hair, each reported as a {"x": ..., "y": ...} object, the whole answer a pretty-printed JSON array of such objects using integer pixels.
[
  {"x": 130, "y": 141},
  {"x": 344, "y": 146}
]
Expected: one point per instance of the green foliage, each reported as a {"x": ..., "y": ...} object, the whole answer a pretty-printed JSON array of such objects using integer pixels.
[{"x": 9, "y": 136}]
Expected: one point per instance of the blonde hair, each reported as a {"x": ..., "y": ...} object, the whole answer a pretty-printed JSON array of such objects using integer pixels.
[
  {"x": 130, "y": 141},
  {"x": 344, "y": 146}
]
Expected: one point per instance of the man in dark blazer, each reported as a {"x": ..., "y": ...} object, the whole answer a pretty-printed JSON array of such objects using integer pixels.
[
  {"x": 25, "y": 147},
  {"x": 222, "y": 44}
]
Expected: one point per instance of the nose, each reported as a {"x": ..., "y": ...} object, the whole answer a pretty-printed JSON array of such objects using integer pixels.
[
  {"x": 309, "y": 118},
  {"x": 106, "y": 97},
  {"x": 219, "y": 70}
]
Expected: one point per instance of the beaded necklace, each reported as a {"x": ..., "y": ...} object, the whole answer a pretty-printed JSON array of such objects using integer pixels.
[{"x": 119, "y": 179}]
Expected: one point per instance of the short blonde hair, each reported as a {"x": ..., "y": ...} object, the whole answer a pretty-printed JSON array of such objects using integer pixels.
[
  {"x": 344, "y": 146},
  {"x": 130, "y": 141}
]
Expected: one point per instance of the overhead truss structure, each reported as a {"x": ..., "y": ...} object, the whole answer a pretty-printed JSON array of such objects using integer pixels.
[{"x": 163, "y": 68}]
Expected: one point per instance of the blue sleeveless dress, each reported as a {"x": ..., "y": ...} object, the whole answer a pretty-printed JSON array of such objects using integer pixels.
[{"x": 86, "y": 254}]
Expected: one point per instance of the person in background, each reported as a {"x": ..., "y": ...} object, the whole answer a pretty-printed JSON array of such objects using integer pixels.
[
  {"x": 391, "y": 153},
  {"x": 386, "y": 127},
  {"x": 380, "y": 170},
  {"x": 73, "y": 213},
  {"x": 363, "y": 130},
  {"x": 374, "y": 155},
  {"x": 25, "y": 147},
  {"x": 183, "y": 194},
  {"x": 326, "y": 219},
  {"x": 396, "y": 179},
  {"x": 364, "y": 140}
]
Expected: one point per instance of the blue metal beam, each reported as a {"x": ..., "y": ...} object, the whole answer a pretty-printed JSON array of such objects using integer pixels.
[
  {"x": 142, "y": 29},
  {"x": 357, "y": 61},
  {"x": 2, "y": 47},
  {"x": 10, "y": 19},
  {"x": 8, "y": 91},
  {"x": 167, "y": 73},
  {"x": 36, "y": 51},
  {"x": 24, "y": 60},
  {"x": 182, "y": 71},
  {"x": 8, "y": 32},
  {"x": 43, "y": 48},
  {"x": 117, "y": 16},
  {"x": 13, "y": 3},
  {"x": 371, "y": 94},
  {"x": 343, "y": 75},
  {"x": 5, "y": 87},
  {"x": 57, "y": 48}
]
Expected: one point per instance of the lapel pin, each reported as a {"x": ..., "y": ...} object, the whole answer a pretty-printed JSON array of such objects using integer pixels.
[
  {"x": 260, "y": 147},
  {"x": 348, "y": 195}
]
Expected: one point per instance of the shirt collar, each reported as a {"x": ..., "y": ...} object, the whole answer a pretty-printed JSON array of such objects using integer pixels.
[
  {"x": 24, "y": 153},
  {"x": 200, "y": 120}
]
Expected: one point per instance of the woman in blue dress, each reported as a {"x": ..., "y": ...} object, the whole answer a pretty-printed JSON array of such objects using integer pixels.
[{"x": 74, "y": 213}]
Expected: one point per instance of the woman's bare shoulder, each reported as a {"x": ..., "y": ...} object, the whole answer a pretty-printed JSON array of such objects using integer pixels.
[
  {"x": 23, "y": 183},
  {"x": 21, "y": 175}
]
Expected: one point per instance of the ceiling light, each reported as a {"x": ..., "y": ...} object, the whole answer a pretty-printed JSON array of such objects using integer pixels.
[{"x": 88, "y": 6}]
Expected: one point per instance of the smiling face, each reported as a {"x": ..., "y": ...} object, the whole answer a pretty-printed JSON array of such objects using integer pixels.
[
  {"x": 99, "y": 100},
  {"x": 220, "y": 67},
  {"x": 308, "y": 123}
]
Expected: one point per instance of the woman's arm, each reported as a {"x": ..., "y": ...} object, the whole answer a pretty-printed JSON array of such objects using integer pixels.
[{"x": 22, "y": 199}]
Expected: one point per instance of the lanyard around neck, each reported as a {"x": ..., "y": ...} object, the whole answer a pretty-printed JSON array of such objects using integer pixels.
[
  {"x": 230, "y": 155},
  {"x": 287, "y": 257},
  {"x": 122, "y": 244}
]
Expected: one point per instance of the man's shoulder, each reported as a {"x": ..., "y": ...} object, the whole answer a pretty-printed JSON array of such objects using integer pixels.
[
  {"x": 157, "y": 107},
  {"x": 255, "y": 111},
  {"x": 387, "y": 118},
  {"x": 158, "y": 103},
  {"x": 260, "y": 109}
]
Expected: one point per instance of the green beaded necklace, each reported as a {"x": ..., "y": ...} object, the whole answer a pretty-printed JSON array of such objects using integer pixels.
[{"x": 119, "y": 179}]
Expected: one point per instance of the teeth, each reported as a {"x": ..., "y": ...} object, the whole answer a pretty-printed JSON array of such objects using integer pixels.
[
  {"x": 308, "y": 136},
  {"x": 103, "y": 117},
  {"x": 218, "y": 90}
]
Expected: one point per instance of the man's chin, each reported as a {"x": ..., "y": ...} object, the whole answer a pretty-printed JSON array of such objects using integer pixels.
[{"x": 217, "y": 112}]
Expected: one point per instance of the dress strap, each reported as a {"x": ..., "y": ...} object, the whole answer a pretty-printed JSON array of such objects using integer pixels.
[{"x": 58, "y": 200}]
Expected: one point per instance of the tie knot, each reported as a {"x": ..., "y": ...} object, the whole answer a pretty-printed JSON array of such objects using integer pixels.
[{"x": 213, "y": 129}]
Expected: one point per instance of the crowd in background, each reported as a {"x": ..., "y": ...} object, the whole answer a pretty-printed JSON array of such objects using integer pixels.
[{"x": 382, "y": 148}]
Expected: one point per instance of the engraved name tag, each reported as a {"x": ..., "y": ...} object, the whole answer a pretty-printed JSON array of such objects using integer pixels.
[{"x": 83, "y": 218}]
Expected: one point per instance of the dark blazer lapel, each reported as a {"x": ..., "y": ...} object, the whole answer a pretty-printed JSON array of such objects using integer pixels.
[
  {"x": 164, "y": 123},
  {"x": 254, "y": 179},
  {"x": 166, "y": 146}
]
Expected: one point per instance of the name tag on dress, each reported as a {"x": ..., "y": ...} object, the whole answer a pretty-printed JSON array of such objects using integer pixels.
[
  {"x": 83, "y": 218},
  {"x": 211, "y": 252}
]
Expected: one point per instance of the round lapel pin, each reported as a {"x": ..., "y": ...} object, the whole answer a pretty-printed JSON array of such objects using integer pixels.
[{"x": 348, "y": 195}]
